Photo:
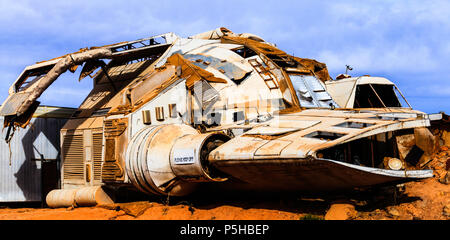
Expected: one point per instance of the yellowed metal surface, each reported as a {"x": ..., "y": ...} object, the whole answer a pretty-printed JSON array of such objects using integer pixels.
[{"x": 288, "y": 125}]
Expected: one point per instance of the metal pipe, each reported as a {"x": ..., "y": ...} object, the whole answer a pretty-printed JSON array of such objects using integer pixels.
[
  {"x": 377, "y": 95},
  {"x": 353, "y": 88},
  {"x": 398, "y": 90}
]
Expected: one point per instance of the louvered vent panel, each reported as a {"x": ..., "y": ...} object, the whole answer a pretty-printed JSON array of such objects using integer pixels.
[
  {"x": 73, "y": 157},
  {"x": 111, "y": 169},
  {"x": 97, "y": 139}
]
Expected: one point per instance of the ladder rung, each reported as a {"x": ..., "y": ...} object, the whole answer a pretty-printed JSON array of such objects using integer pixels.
[
  {"x": 255, "y": 63},
  {"x": 259, "y": 67},
  {"x": 274, "y": 85},
  {"x": 263, "y": 72}
]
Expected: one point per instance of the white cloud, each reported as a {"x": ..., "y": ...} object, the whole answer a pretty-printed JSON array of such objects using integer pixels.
[
  {"x": 420, "y": 12},
  {"x": 13, "y": 9},
  {"x": 437, "y": 90},
  {"x": 398, "y": 58}
]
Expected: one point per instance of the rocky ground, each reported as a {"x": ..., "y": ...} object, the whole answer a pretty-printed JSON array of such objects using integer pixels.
[{"x": 423, "y": 200}]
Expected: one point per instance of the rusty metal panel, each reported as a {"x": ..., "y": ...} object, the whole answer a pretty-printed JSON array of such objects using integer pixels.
[
  {"x": 113, "y": 130},
  {"x": 270, "y": 131},
  {"x": 54, "y": 112},
  {"x": 272, "y": 148},
  {"x": 11, "y": 105},
  {"x": 311, "y": 175}
]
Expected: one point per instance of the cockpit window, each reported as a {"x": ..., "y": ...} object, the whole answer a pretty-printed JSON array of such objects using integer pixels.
[
  {"x": 311, "y": 93},
  {"x": 376, "y": 96},
  {"x": 244, "y": 52}
]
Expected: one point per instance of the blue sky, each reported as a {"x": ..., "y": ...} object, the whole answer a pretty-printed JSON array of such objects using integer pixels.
[{"x": 404, "y": 41}]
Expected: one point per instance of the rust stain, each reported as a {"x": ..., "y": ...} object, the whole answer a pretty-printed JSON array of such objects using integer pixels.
[
  {"x": 248, "y": 147},
  {"x": 191, "y": 72}
]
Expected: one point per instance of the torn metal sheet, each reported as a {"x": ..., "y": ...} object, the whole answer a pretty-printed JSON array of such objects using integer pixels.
[
  {"x": 13, "y": 103},
  {"x": 32, "y": 93},
  {"x": 192, "y": 72}
]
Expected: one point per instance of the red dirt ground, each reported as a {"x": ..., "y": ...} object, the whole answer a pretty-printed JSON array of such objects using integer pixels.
[{"x": 428, "y": 200}]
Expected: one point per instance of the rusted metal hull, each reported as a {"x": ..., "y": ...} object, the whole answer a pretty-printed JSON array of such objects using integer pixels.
[
  {"x": 167, "y": 114},
  {"x": 311, "y": 175}
]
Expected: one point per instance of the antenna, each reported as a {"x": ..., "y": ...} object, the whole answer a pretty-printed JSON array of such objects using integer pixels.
[{"x": 347, "y": 68}]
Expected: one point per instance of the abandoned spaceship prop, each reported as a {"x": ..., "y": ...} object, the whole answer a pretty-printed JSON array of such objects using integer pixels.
[{"x": 167, "y": 114}]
